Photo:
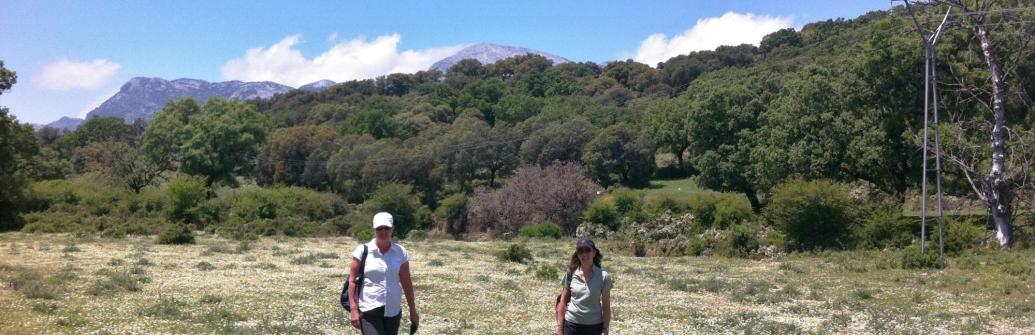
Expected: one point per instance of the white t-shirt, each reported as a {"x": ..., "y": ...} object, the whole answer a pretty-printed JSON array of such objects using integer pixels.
[{"x": 381, "y": 286}]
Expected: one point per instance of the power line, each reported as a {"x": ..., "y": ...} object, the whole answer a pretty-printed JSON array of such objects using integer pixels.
[{"x": 507, "y": 139}]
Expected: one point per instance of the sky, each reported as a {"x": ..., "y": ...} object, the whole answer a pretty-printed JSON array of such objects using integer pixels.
[{"x": 72, "y": 55}]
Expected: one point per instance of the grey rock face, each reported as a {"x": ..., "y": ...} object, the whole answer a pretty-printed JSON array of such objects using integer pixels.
[{"x": 141, "y": 97}]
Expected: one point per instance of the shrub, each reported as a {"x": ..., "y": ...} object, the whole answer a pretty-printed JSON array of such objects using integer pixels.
[
  {"x": 718, "y": 210},
  {"x": 517, "y": 253},
  {"x": 627, "y": 201},
  {"x": 667, "y": 201},
  {"x": 602, "y": 212},
  {"x": 559, "y": 193},
  {"x": 116, "y": 281},
  {"x": 913, "y": 258},
  {"x": 452, "y": 210},
  {"x": 962, "y": 234},
  {"x": 812, "y": 214},
  {"x": 365, "y": 234},
  {"x": 543, "y": 230},
  {"x": 252, "y": 203},
  {"x": 204, "y": 266},
  {"x": 739, "y": 241},
  {"x": 176, "y": 234},
  {"x": 184, "y": 195},
  {"x": 546, "y": 272},
  {"x": 405, "y": 207},
  {"x": 884, "y": 227}
]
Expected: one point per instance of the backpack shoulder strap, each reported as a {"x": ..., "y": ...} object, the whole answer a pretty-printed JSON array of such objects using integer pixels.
[{"x": 363, "y": 260}]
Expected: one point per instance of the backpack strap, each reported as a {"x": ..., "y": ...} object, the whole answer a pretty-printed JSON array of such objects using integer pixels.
[
  {"x": 570, "y": 275},
  {"x": 363, "y": 260},
  {"x": 360, "y": 277}
]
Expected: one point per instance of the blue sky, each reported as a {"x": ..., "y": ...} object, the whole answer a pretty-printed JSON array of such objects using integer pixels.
[{"x": 71, "y": 55}]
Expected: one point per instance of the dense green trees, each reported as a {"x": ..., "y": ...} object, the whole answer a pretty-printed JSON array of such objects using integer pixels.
[
  {"x": 618, "y": 155},
  {"x": 18, "y": 145},
  {"x": 218, "y": 140},
  {"x": 834, "y": 103}
]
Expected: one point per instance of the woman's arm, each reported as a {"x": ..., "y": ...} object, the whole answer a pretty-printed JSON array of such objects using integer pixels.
[
  {"x": 562, "y": 308},
  {"x": 407, "y": 286},
  {"x": 353, "y": 299},
  {"x": 605, "y": 299}
]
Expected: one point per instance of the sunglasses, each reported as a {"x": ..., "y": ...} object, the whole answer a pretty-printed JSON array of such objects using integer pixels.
[
  {"x": 383, "y": 228},
  {"x": 583, "y": 250}
]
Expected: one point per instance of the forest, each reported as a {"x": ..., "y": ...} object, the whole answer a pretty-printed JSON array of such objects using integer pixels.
[{"x": 811, "y": 140}]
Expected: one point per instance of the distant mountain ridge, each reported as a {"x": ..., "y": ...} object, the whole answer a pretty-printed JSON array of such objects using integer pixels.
[
  {"x": 69, "y": 123},
  {"x": 141, "y": 97},
  {"x": 488, "y": 53}
]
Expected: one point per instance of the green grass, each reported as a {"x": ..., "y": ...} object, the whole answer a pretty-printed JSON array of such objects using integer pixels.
[{"x": 676, "y": 186}]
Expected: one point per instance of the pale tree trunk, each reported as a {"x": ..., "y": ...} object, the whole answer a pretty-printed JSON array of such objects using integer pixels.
[{"x": 999, "y": 196}]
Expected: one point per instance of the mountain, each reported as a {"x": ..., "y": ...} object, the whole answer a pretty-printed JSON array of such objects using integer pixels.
[
  {"x": 488, "y": 53},
  {"x": 317, "y": 86},
  {"x": 69, "y": 123},
  {"x": 141, "y": 97}
]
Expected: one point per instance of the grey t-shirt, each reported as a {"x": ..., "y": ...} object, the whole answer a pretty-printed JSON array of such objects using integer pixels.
[{"x": 585, "y": 307}]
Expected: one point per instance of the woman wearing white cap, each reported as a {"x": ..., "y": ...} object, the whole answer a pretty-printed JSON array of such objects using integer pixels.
[{"x": 378, "y": 309}]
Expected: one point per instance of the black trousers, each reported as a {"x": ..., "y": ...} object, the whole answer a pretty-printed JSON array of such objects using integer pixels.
[
  {"x": 577, "y": 329},
  {"x": 374, "y": 322}
]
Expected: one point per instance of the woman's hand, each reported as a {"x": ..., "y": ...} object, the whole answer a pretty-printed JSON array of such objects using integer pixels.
[
  {"x": 560, "y": 329},
  {"x": 354, "y": 317},
  {"x": 414, "y": 317}
]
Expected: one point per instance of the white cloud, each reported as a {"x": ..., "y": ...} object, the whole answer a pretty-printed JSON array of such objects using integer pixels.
[
  {"x": 68, "y": 74},
  {"x": 95, "y": 103},
  {"x": 358, "y": 58},
  {"x": 709, "y": 33}
]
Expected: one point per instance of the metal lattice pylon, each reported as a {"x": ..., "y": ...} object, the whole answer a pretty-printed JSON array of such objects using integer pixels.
[{"x": 931, "y": 146}]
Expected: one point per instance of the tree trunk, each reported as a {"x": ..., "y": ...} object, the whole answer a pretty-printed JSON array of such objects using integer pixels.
[
  {"x": 998, "y": 194},
  {"x": 752, "y": 196}
]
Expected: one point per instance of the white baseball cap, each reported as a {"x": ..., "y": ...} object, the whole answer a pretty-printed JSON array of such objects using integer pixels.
[{"x": 383, "y": 219}]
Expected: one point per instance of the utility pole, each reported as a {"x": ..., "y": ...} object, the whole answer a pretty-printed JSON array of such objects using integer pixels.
[{"x": 931, "y": 121}]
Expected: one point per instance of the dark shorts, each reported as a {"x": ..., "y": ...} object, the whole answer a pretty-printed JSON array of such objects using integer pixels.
[
  {"x": 374, "y": 322},
  {"x": 577, "y": 329}
]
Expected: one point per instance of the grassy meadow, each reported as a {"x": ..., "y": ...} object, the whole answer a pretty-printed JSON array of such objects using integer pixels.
[{"x": 53, "y": 283}]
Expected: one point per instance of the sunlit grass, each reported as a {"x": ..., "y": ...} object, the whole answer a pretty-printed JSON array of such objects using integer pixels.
[{"x": 278, "y": 285}]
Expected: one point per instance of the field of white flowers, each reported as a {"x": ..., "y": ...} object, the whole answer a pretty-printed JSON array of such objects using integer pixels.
[{"x": 64, "y": 284}]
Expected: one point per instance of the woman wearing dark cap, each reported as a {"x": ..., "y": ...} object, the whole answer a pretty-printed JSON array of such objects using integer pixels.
[{"x": 584, "y": 307}]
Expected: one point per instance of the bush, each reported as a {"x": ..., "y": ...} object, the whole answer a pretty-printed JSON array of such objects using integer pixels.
[
  {"x": 252, "y": 203},
  {"x": 364, "y": 235},
  {"x": 517, "y": 253},
  {"x": 884, "y": 227},
  {"x": 543, "y": 230},
  {"x": 602, "y": 212},
  {"x": 718, "y": 210},
  {"x": 739, "y": 241},
  {"x": 176, "y": 234},
  {"x": 184, "y": 195},
  {"x": 546, "y": 272},
  {"x": 405, "y": 207},
  {"x": 812, "y": 214},
  {"x": 452, "y": 210},
  {"x": 913, "y": 258},
  {"x": 667, "y": 201},
  {"x": 627, "y": 201},
  {"x": 961, "y": 234},
  {"x": 559, "y": 193}
]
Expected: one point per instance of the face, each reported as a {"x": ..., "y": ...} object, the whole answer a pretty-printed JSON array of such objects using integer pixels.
[
  {"x": 586, "y": 255},
  {"x": 383, "y": 233}
]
